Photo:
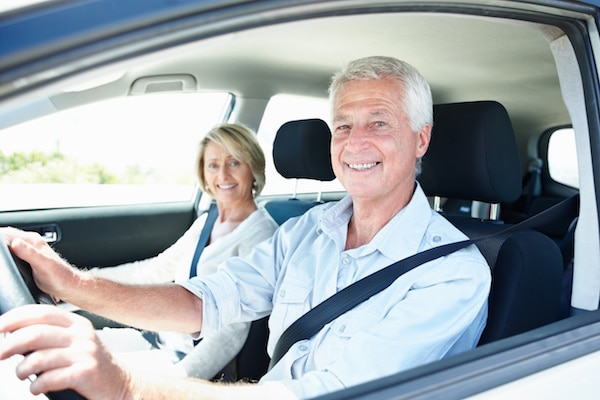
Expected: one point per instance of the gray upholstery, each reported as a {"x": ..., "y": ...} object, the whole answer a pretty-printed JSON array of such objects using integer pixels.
[{"x": 473, "y": 155}]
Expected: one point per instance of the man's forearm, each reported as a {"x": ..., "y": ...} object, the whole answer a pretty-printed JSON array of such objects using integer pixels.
[
  {"x": 159, "y": 388},
  {"x": 153, "y": 307},
  {"x": 167, "y": 307}
]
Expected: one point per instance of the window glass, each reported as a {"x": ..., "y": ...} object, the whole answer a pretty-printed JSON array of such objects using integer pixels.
[
  {"x": 281, "y": 109},
  {"x": 562, "y": 157},
  {"x": 138, "y": 149}
]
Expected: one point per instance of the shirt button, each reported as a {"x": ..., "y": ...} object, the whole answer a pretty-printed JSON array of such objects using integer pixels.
[
  {"x": 436, "y": 239},
  {"x": 345, "y": 261},
  {"x": 282, "y": 293},
  {"x": 342, "y": 328},
  {"x": 303, "y": 347}
]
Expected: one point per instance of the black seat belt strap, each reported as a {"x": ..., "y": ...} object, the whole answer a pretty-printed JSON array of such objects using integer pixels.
[{"x": 313, "y": 321}]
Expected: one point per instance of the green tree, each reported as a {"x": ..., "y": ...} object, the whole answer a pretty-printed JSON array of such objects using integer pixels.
[{"x": 55, "y": 167}]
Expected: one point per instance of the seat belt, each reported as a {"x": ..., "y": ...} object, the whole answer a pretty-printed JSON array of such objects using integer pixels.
[
  {"x": 533, "y": 187},
  {"x": 211, "y": 217},
  {"x": 313, "y": 321}
]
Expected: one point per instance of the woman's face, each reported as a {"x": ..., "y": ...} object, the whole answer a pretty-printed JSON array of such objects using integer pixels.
[{"x": 229, "y": 180}]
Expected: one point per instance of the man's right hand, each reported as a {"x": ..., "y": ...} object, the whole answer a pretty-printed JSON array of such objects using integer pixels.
[{"x": 51, "y": 273}]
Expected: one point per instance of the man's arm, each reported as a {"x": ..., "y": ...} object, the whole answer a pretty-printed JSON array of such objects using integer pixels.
[
  {"x": 153, "y": 307},
  {"x": 64, "y": 352}
]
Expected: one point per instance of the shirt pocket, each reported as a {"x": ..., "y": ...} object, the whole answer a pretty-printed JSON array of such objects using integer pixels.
[
  {"x": 349, "y": 324},
  {"x": 339, "y": 334},
  {"x": 290, "y": 303}
]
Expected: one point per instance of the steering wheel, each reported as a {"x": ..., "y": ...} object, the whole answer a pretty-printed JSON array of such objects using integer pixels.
[{"x": 17, "y": 288}]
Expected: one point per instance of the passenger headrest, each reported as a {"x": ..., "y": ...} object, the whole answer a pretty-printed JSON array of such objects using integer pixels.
[
  {"x": 473, "y": 154},
  {"x": 301, "y": 150}
]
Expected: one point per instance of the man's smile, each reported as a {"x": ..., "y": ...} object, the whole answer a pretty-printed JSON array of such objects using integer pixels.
[{"x": 362, "y": 166}]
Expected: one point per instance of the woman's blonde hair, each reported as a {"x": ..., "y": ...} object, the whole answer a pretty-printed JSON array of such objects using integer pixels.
[{"x": 243, "y": 145}]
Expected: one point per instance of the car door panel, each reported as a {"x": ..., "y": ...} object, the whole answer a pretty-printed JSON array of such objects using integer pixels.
[{"x": 104, "y": 236}]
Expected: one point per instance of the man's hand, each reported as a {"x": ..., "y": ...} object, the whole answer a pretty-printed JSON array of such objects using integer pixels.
[
  {"x": 61, "y": 351},
  {"x": 51, "y": 273}
]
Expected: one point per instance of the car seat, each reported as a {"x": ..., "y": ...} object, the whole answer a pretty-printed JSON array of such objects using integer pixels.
[
  {"x": 300, "y": 150},
  {"x": 473, "y": 155}
]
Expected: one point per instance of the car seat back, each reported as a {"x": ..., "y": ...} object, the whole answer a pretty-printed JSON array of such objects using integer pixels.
[
  {"x": 300, "y": 150},
  {"x": 473, "y": 155}
]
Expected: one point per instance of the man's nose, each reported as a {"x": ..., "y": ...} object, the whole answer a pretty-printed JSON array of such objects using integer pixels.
[{"x": 357, "y": 137}]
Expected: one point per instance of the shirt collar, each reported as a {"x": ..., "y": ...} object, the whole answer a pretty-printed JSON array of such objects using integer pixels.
[{"x": 401, "y": 237}]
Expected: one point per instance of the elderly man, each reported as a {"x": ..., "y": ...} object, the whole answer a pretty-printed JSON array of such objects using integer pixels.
[{"x": 382, "y": 119}]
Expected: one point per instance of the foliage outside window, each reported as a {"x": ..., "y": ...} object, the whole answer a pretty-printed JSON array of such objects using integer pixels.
[{"x": 138, "y": 149}]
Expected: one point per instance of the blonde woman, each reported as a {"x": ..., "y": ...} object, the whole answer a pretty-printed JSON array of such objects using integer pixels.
[{"x": 231, "y": 169}]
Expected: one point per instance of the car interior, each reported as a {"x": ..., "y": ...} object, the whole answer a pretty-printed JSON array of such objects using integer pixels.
[
  {"x": 503, "y": 84},
  {"x": 527, "y": 266}
]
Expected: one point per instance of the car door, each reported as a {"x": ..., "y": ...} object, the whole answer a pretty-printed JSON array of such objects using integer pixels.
[{"x": 108, "y": 181}]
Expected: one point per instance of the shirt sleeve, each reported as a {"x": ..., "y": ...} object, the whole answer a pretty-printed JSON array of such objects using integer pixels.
[{"x": 242, "y": 289}]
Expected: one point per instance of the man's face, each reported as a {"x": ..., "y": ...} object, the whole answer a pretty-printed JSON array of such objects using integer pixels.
[{"x": 373, "y": 149}]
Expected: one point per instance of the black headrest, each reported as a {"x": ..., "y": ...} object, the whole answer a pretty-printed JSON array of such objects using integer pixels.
[
  {"x": 473, "y": 154},
  {"x": 301, "y": 150}
]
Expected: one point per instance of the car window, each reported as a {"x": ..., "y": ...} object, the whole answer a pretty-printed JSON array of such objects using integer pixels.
[
  {"x": 138, "y": 149},
  {"x": 9, "y": 5},
  {"x": 562, "y": 157},
  {"x": 281, "y": 109}
]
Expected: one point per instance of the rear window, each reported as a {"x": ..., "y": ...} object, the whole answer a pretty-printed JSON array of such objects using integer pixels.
[
  {"x": 138, "y": 149},
  {"x": 281, "y": 109},
  {"x": 562, "y": 157}
]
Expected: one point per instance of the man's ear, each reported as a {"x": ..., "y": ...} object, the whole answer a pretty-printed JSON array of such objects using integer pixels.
[{"x": 423, "y": 140}]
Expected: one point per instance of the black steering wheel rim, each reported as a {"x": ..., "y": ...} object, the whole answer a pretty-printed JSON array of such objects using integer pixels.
[
  {"x": 14, "y": 290},
  {"x": 17, "y": 288}
]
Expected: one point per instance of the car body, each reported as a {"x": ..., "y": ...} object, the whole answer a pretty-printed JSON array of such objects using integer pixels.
[{"x": 539, "y": 59}]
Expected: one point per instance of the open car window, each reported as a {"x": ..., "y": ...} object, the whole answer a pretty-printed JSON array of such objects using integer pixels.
[
  {"x": 283, "y": 108},
  {"x": 562, "y": 157},
  {"x": 137, "y": 149}
]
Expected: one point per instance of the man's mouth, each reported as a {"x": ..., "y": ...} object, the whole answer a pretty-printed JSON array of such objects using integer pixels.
[{"x": 362, "y": 166}]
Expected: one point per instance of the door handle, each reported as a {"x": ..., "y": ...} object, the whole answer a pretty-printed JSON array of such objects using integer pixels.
[{"x": 50, "y": 233}]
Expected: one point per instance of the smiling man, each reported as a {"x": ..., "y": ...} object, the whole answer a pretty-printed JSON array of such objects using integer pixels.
[{"x": 382, "y": 119}]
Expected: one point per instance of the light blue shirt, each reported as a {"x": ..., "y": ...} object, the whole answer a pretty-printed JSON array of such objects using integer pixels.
[{"x": 437, "y": 309}]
